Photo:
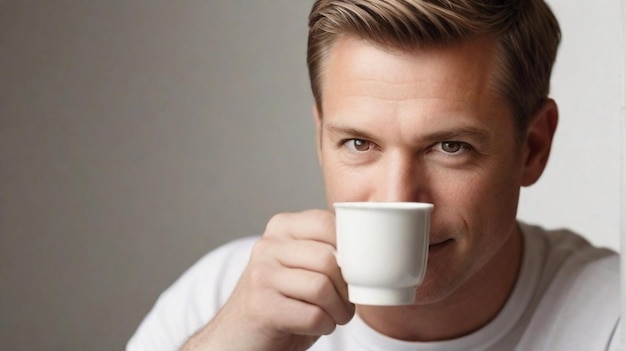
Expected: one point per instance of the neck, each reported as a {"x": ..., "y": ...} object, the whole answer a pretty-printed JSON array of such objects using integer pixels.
[{"x": 468, "y": 309}]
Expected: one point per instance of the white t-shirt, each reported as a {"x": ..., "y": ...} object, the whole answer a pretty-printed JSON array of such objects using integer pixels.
[{"x": 566, "y": 298}]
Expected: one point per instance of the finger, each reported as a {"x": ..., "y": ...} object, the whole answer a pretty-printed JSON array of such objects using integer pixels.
[
  {"x": 294, "y": 316},
  {"x": 314, "y": 256},
  {"x": 318, "y": 225},
  {"x": 316, "y": 289},
  {"x": 303, "y": 254}
]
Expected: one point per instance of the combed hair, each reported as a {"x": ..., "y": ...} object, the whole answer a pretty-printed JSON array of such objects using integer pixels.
[{"x": 526, "y": 31}]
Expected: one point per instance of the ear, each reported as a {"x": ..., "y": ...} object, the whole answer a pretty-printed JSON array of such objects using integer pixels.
[
  {"x": 318, "y": 132},
  {"x": 538, "y": 142}
]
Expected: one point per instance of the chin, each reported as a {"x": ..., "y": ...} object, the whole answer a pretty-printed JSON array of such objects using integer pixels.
[
  {"x": 439, "y": 284},
  {"x": 429, "y": 293}
]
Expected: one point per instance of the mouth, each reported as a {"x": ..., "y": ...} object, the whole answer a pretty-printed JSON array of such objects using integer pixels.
[{"x": 436, "y": 248}]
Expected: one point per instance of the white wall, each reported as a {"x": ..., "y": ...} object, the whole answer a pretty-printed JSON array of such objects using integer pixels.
[
  {"x": 623, "y": 161},
  {"x": 135, "y": 137},
  {"x": 581, "y": 186}
]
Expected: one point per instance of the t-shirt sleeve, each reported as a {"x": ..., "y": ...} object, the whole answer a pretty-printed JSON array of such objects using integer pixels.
[{"x": 193, "y": 299}]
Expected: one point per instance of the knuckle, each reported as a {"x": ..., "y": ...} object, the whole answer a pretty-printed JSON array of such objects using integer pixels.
[
  {"x": 260, "y": 251},
  {"x": 323, "y": 217},
  {"x": 328, "y": 329},
  {"x": 321, "y": 288},
  {"x": 319, "y": 322},
  {"x": 327, "y": 260},
  {"x": 257, "y": 277},
  {"x": 261, "y": 246},
  {"x": 259, "y": 267},
  {"x": 275, "y": 223}
]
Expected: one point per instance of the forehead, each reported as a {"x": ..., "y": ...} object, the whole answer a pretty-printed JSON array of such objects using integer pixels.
[
  {"x": 412, "y": 93},
  {"x": 464, "y": 71}
]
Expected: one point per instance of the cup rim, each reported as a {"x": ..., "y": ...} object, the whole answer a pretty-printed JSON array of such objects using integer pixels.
[{"x": 385, "y": 205}]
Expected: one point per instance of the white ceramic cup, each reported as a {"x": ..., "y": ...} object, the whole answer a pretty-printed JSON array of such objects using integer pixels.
[{"x": 382, "y": 249}]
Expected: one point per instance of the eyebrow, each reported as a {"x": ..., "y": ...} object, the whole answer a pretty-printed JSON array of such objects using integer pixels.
[
  {"x": 477, "y": 134},
  {"x": 352, "y": 132}
]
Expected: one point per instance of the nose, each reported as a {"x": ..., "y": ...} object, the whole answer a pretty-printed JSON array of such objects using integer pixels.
[{"x": 403, "y": 179}]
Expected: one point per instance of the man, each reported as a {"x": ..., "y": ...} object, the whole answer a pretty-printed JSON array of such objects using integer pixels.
[{"x": 441, "y": 101}]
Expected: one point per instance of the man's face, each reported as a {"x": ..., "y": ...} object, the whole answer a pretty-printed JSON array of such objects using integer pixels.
[{"x": 425, "y": 126}]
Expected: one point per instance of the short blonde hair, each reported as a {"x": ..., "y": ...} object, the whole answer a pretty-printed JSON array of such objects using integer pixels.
[{"x": 526, "y": 31}]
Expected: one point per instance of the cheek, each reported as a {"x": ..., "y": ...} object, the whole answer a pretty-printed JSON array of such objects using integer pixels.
[
  {"x": 456, "y": 189},
  {"x": 476, "y": 199}
]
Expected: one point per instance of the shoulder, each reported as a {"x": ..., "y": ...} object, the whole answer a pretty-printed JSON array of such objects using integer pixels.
[
  {"x": 228, "y": 258},
  {"x": 215, "y": 274},
  {"x": 194, "y": 298},
  {"x": 563, "y": 252},
  {"x": 578, "y": 290},
  {"x": 569, "y": 260}
]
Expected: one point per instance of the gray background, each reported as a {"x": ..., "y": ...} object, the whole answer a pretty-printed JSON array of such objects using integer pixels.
[{"x": 136, "y": 136}]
